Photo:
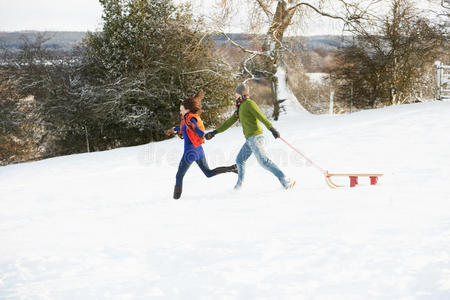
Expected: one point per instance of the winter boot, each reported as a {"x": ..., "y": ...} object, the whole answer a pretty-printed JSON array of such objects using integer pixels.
[
  {"x": 289, "y": 184},
  {"x": 221, "y": 170},
  {"x": 177, "y": 192}
]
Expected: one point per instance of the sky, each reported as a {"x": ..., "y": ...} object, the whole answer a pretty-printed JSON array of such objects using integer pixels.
[
  {"x": 83, "y": 15},
  {"x": 50, "y": 15}
]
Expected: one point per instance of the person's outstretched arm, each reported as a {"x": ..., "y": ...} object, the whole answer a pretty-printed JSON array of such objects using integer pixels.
[
  {"x": 227, "y": 124},
  {"x": 172, "y": 130}
]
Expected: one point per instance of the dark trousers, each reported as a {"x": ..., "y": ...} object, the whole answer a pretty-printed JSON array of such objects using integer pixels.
[{"x": 184, "y": 166}]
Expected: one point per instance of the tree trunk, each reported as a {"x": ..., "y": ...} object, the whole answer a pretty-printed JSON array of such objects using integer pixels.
[
  {"x": 273, "y": 44},
  {"x": 276, "y": 104}
]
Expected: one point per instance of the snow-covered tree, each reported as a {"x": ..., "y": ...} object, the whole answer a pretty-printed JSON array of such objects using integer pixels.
[
  {"x": 276, "y": 18},
  {"x": 123, "y": 85},
  {"x": 149, "y": 56}
]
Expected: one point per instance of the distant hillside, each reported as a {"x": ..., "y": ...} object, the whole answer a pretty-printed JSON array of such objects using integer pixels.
[
  {"x": 63, "y": 40},
  {"x": 327, "y": 42},
  {"x": 66, "y": 40}
]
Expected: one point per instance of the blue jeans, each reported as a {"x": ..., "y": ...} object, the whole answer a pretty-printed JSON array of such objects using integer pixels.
[
  {"x": 184, "y": 166},
  {"x": 255, "y": 145}
]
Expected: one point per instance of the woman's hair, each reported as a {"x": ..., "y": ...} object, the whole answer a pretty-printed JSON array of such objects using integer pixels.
[{"x": 194, "y": 104}]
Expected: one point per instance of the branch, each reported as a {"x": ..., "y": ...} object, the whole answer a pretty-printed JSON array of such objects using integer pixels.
[
  {"x": 316, "y": 10},
  {"x": 281, "y": 44},
  {"x": 244, "y": 65},
  {"x": 268, "y": 13},
  {"x": 265, "y": 72},
  {"x": 206, "y": 71},
  {"x": 242, "y": 47}
]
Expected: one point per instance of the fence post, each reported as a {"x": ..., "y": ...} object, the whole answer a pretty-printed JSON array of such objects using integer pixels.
[
  {"x": 331, "y": 102},
  {"x": 351, "y": 99},
  {"x": 87, "y": 139},
  {"x": 438, "y": 65}
]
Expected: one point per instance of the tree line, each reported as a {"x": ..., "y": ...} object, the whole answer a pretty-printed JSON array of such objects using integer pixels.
[
  {"x": 391, "y": 59},
  {"x": 120, "y": 87}
]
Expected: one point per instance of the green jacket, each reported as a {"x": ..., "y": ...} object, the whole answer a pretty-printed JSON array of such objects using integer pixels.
[{"x": 249, "y": 114}]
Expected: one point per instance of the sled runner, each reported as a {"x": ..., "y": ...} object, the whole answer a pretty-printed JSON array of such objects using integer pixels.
[{"x": 353, "y": 176}]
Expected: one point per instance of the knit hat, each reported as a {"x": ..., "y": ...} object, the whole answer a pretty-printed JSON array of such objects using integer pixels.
[{"x": 242, "y": 89}]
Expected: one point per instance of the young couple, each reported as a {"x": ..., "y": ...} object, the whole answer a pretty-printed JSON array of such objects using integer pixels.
[{"x": 193, "y": 131}]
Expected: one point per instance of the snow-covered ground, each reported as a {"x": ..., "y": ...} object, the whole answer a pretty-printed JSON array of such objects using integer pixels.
[{"x": 105, "y": 226}]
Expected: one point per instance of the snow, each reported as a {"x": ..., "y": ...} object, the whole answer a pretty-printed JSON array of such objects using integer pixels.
[
  {"x": 317, "y": 77},
  {"x": 291, "y": 104},
  {"x": 104, "y": 225}
]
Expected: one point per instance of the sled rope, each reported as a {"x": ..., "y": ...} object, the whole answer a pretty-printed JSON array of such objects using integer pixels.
[{"x": 304, "y": 156}]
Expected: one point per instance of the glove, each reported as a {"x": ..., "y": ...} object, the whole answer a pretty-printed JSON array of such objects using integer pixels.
[
  {"x": 210, "y": 134},
  {"x": 275, "y": 133}
]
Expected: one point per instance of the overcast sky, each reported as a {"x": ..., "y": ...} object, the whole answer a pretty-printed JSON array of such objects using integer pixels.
[
  {"x": 82, "y": 15},
  {"x": 74, "y": 15}
]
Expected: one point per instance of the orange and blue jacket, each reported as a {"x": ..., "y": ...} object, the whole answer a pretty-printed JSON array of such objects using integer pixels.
[{"x": 192, "y": 130}]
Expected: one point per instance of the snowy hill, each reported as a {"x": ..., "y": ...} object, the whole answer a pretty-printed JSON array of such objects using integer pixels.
[{"x": 104, "y": 225}]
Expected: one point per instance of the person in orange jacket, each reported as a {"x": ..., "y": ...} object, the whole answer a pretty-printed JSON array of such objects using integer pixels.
[{"x": 192, "y": 130}]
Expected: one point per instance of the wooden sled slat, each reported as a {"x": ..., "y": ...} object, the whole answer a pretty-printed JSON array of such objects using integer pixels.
[{"x": 354, "y": 174}]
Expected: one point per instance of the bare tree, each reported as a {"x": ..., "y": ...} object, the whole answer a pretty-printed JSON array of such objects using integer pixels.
[
  {"x": 276, "y": 18},
  {"x": 391, "y": 64}
]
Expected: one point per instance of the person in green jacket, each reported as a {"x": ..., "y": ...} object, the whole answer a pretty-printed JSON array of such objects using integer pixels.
[{"x": 249, "y": 115}]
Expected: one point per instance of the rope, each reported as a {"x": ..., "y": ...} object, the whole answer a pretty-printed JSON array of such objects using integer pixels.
[{"x": 304, "y": 156}]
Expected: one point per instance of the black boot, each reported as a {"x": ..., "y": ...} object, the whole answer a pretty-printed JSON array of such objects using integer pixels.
[
  {"x": 177, "y": 192},
  {"x": 221, "y": 170}
]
